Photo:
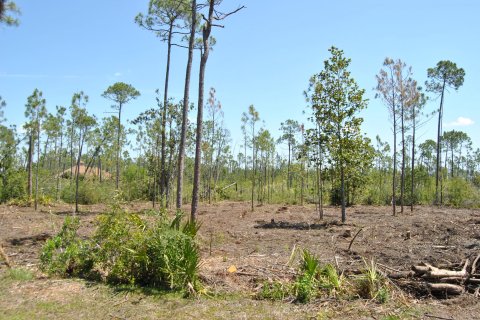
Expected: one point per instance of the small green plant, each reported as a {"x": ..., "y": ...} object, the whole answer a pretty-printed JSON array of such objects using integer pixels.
[
  {"x": 309, "y": 264},
  {"x": 383, "y": 295},
  {"x": 372, "y": 285},
  {"x": 306, "y": 286},
  {"x": 276, "y": 290},
  {"x": 330, "y": 280}
]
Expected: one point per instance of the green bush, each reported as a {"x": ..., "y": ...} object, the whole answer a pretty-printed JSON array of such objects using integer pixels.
[
  {"x": 12, "y": 185},
  {"x": 89, "y": 192},
  {"x": 66, "y": 254},
  {"x": 461, "y": 193},
  {"x": 125, "y": 249},
  {"x": 134, "y": 184}
]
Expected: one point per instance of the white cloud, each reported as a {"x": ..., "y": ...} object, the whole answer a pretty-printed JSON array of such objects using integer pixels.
[
  {"x": 117, "y": 74},
  {"x": 461, "y": 122}
]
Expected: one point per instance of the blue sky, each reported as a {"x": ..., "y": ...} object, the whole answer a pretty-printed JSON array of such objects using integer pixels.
[{"x": 264, "y": 56}]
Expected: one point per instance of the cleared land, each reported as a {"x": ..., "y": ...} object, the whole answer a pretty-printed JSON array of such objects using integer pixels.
[{"x": 259, "y": 244}]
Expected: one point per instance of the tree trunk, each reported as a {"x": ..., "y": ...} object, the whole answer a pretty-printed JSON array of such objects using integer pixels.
[
  {"x": 394, "y": 184},
  {"x": 289, "y": 182},
  {"x": 201, "y": 84},
  {"x": 439, "y": 137},
  {"x": 163, "y": 171},
  {"x": 29, "y": 166},
  {"x": 451, "y": 153},
  {"x": 413, "y": 162},
  {"x": 100, "y": 169},
  {"x": 342, "y": 192},
  {"x": 119, "y": 129},
  {"x": 186, "y": 94},
  {"x": 254, "y": 172},
  {"x": 245, "y": 156},
  {"x": 71, "y": 152},
  {"x": 38, "y": 163},
  {"x": 59, "y": 166},
  {"x": 402, "y": 182},
  {"x": 319, "y": 176},
  {"x": 170, "y": 165},
  {"x": 77, "y": 174}
]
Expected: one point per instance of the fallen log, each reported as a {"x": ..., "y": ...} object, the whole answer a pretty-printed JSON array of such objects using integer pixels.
[
  {"x": 445, "y": 288},
  {"x": 443, "y": 273},
  {"x": 429, "y": 271},
  {"x": 453, "y": 280},
  {"x": 420, "y": 270}
]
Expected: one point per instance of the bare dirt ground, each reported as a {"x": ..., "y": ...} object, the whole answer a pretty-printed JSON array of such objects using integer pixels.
[{"x": 259, "y": 244}]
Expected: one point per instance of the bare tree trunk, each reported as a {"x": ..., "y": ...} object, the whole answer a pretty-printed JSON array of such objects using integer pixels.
[
  {"x": 394, "y": 184},
  {"x": 342, "y": 193},
  {"x": 413, "y": 161},
  {"x": 100, "y": 169},
  {"x": 59, "y": 166},
  {"x": 38, "y": 163},
  {"x": 439, "y": 149},
  {"x": 71, "y": 152},
  {"x": 29, "y": 166},
  {"x": 119, "y": 129},
  {"x": 402, "y": 181},
  {"x": 77, "y": 174},
  {"x": 163, "y": 171},
  {"x": 254, "y": 168},
  {"x": 170, "y": 165},
  {"x": 245, "y": 149},
  {"x": 201, "y": 85},
  {"x": 289, "y": 180},
  {"x": 186, "y": 94}
]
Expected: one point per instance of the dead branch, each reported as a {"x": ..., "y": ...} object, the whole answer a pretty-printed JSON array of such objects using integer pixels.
[
  {"x": 220, "y": 15},
  {"x": 353, "y": 239},
  {"x": 474, "y": 264}
]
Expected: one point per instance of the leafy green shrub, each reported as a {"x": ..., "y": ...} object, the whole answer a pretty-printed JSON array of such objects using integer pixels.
[
  {"x": 125, "y": 249},
  {"x": 12, "y": 185},
  {"x": 134, "y": 185},
  {"x": 89, "y": 192},
  {"x": 461, "y": 193},
  {"x": 66, "y": 254}
]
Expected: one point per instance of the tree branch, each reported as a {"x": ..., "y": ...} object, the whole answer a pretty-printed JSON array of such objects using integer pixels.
[{"x": 220, "y": 15}]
